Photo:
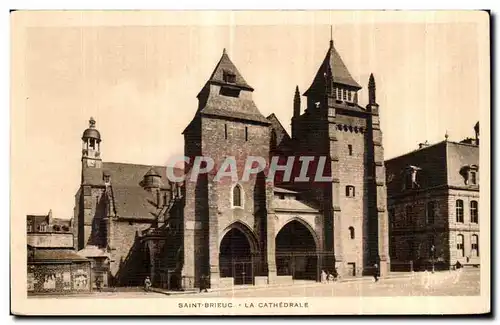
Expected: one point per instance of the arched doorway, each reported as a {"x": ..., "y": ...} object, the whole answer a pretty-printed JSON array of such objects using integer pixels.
[
  {"x": 296, "y": 252},
  {"x": 235, "y": 257}
]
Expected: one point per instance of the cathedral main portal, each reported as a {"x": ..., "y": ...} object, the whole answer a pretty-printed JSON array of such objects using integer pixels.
[{"x": 235, "y": 258}]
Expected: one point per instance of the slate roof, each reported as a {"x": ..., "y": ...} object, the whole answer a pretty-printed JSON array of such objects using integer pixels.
[
  {"x": 226, "y": 106},
  {"x": 226, "y": 65},
  {"x": 283, "y": 140},
  {"x": 122, "y": 174},
  {"x": 439, "y": 165},
  {"x": 332, "y": 64},
  {"x": 284, "y": 190},
  {"x": 56, "y": 255},
  {"x": 232, "y": 107},
  {"x": 130, "y": 199},
  {"x": 134, "y": 202}
]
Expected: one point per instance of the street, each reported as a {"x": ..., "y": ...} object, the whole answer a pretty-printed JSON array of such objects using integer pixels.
[
  {"x": 454, "y": 283},
  {"x": 447, "y": 283}
]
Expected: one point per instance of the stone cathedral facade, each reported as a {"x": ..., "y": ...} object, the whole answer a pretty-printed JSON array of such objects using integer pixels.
[{"x": 246, "y": 231}]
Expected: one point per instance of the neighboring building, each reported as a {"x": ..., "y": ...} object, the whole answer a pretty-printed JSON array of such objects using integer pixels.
[
  {"x": 433, "y": 200},
  {"x": 254, "y": 231},
  {"x": 53, "y": 264},
  {"x": 44, "y": 231},
  {"x": 56, "y": 270}
]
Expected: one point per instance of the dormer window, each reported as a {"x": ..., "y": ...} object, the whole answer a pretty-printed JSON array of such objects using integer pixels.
[
  {"x": 229, "y": 77},
  {"x": 470, "y": 174},
  {"x": 473, "y": 179},
  {"x": 349, "y": 94},
  {"x": 410, "y": 177},
  {"x": 237, "y": 196},
  {"x": 42, "y": 227}
]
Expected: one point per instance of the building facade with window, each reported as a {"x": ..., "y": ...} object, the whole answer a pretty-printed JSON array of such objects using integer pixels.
[
  {"x": 253, "y": 230},
  {"x": 53, "y": 265},
  {"x": 433, "y": 204}
]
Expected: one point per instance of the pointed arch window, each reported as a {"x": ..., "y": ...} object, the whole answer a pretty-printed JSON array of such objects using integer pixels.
[{"x": 237, "y": 196}]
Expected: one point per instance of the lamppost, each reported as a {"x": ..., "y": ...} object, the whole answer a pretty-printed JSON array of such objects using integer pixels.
[{"x": 433, "y": 250}]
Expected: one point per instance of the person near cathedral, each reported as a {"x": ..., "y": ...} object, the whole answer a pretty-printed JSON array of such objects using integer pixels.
[{"x": 147, "y": 284}]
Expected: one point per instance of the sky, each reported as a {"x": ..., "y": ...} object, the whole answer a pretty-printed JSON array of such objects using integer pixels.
[{"x": 140, "y": 83}]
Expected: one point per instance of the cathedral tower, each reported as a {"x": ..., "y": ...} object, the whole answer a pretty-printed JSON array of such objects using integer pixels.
[
  {"x": 224, "y": 213},
  {"x": 349, "y": 136}
]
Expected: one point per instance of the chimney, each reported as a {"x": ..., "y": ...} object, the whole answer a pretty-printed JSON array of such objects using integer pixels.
[
  {"x": 49, "y": 217},
  {"x": 423, "y": 145}
]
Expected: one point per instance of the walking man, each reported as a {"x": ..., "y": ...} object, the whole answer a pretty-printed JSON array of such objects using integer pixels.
[
  {"x": 98, "y": 284},
  {"x": 203, "y": 283},
  {"x": 375, "y": 272},
  {"x": 147, "y": 284}
]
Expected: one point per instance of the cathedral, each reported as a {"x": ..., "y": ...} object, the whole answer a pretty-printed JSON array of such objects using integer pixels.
[{"x": 138, "y": 222}]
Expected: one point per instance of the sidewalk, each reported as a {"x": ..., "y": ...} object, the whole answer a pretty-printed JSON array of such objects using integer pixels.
[{"x": 295, "y": 283}]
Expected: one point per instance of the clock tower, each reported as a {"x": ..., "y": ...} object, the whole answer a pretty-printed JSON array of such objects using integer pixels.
[{"x": 91, "y": 145}]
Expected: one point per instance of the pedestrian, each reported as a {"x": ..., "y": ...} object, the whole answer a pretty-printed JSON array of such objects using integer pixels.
[
  {"x": 330, "y": 277},
  {"x": 323, "y": 276},
  {"x": 335, "y": 274},
  {"x": 98, "y": 284},
  {"x": 147, "y": 284},
  {"x": 375, "y": 272},
  {"x": 203, "y": 283}
]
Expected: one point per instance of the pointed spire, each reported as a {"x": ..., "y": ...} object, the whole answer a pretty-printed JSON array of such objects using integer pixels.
[
  {"x": 372, "y": 98},
  {"x": 331, "y": 36},
  {"x": 296, "y": 102},
  {"x": 333, "y": 70},
  {"x": 226, "y": 72}
]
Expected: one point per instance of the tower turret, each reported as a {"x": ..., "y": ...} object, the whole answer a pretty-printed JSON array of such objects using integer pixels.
[
  {"x": 296, "y": 102},
  {"x": 91, "y": 146},
  {"x": 371, "y": 90},
  {"x": 152, "y": 180},
  {"x": 372, "y": 98}
]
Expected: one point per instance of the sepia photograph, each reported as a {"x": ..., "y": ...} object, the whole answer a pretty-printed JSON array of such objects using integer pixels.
[{"x": 250, "y": 162}]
